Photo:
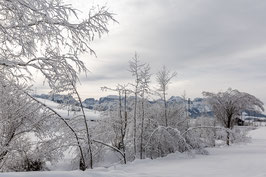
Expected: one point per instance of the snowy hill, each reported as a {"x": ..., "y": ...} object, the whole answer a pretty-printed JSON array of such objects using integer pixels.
[
  {"x": 68, "y": 112},
  {"x": 58, "y": 98}
]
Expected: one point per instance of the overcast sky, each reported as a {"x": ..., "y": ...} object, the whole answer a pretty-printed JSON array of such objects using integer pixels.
[{"x": 211, "y": 44}]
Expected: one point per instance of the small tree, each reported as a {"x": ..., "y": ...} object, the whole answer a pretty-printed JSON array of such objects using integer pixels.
[
  {"x": 120, "y": 120},
  {"x": 21, "y": 116},
  {"x": 163, "y": 78},
  {"x": 229, "y": 105}
]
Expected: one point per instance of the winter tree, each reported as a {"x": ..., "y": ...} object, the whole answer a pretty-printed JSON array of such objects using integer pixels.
[
  {"x": 48, "y": 36},
  {"x": 42, "y": 34},
  {"x": 144, "y": 92},
  {"x": 20, "y": 120},
  {"x": 135, "y": 68},
  {"x": 118, "y": 120},
  {"x": 88, "y": 136},
  {"x": 229, "y": 105},
  {"x": 163, "y": 78}
]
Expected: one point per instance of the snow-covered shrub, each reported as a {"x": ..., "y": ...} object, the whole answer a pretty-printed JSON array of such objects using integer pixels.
[
  {"x": 166, "y": 140},
  {"x": 163, "y": 140},
  {"x": 29, "y": 133},
  {"x": 239, "y": 134},
  {"x": 206, "y": 134},
  {"x": 25, "y": 158}
]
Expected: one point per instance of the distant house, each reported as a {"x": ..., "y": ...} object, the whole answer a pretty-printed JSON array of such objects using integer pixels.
[{"x": 239, "y": 122}]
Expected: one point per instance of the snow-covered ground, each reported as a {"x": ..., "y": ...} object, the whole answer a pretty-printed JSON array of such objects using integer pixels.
[
  {"x": 63, "y": 111},
  {"x": 242, "y": 160}
]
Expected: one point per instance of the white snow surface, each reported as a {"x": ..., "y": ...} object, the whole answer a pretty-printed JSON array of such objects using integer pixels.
[
  {"x": 90, "y": 114},
  {"x": 239, "y": 160}
]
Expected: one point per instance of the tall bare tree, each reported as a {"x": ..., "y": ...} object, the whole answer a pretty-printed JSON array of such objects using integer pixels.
[
  {"x": 88, "y": 136},
  {"x": 135, "y": 68},
  {"x": 144, "y": 89}
]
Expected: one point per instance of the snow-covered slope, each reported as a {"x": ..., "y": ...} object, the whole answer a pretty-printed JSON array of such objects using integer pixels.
[
  {"x": 245, "y": 160},
  {"x": 63, "y": 111}
]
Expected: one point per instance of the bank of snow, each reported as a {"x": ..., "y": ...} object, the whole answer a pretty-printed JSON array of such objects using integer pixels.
[
  {"x": 63, "y": 111},
  {"x": 243, "y": 160}
]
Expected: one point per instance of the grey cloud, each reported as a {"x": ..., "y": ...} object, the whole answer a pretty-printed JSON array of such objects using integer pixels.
[
  {"x": 203, "y": 40},
  {"x": 108, "y": 72},
  {"x": 214, "y": 29}
]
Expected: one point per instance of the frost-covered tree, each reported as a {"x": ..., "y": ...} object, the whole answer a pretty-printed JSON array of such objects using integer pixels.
[
  {"x": 229, "y": 105},
  {"x": 144, "y": 92},
  {"x": 72, "y": 133},
  {"x": 47, "y": 35},
  {"x": 135, "y": 68},
  {"x": 163, "y": 78},
  {"x": 118, "y": 120},
  {"x": 28, "y": 139},
  {"x": 88, "y": 136},
  {"x": 160, "y": 140}
]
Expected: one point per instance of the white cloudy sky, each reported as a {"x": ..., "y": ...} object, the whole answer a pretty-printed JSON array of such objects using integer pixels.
[{"x": 211, "y": 44}]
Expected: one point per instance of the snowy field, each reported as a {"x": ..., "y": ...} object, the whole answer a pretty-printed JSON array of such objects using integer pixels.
[
  {"x": 241, "y": 160},
  {"x": 63, "y": 111}
]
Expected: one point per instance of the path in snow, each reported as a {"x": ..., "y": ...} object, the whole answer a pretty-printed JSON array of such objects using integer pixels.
[{"x": 246, "y": 160}]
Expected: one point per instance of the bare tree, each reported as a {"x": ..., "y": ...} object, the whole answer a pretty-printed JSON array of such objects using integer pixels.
[
  {"x": 163, "y": 78},
  {"x": 89, "y": 142},
  {"x": 82, "y": 165},
  {"x": 121, "y": 129},
  {"x": 20, "y": 117},
  {"x": 229, "y": 105},
  {"x": 144, "y": 89},
  {"x": 39, "y": 34},
  {"x": 135, "y": 68}
]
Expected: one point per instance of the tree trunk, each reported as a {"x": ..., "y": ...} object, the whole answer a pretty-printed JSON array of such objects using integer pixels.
[
  {"x": 142, "y": 129},
  {"x": 165, "y": 109},
  {"x": 123, "y": 124},
  {"x": 228, "y": 127},
  {"x": 214, "y": 133},
  {"x": 228, "y": 139},
  {"x": 135, "y": 125},
  {"x": 87, "y": 128}
]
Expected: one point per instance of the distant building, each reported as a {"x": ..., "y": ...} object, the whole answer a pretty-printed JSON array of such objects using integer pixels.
[{"x": 239, "y": 122}]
